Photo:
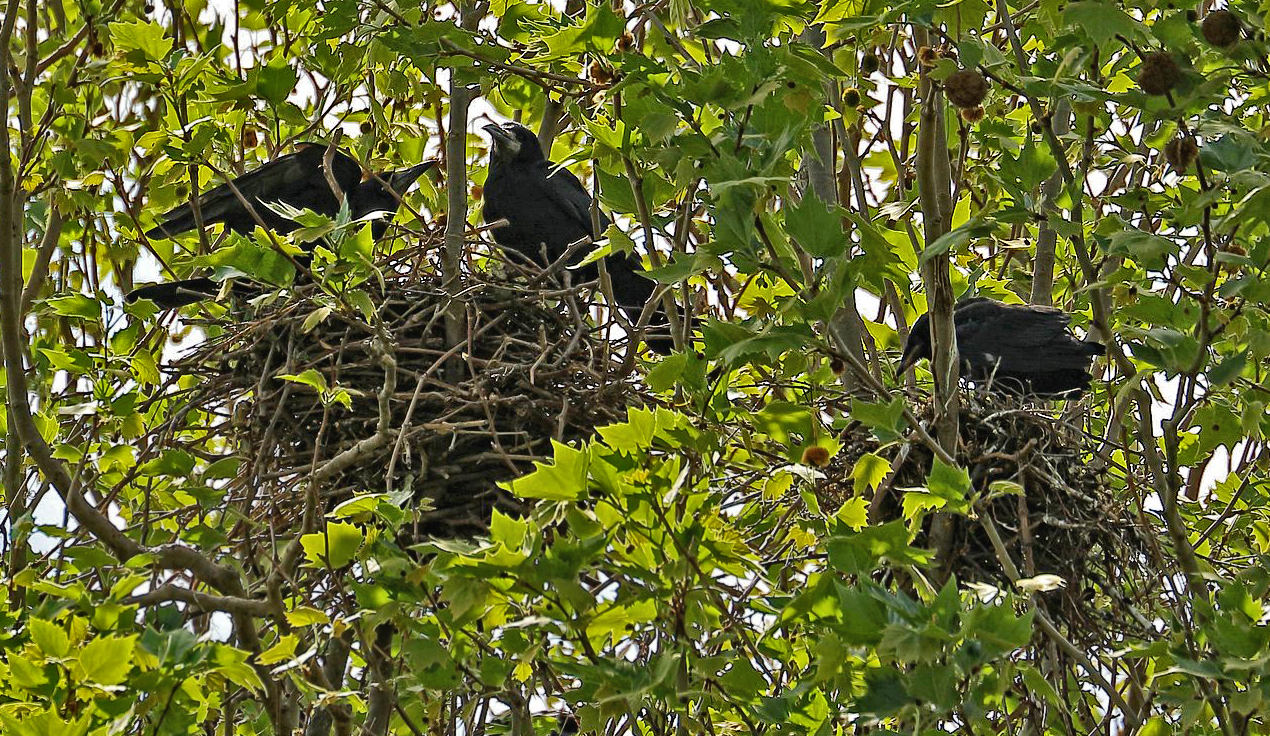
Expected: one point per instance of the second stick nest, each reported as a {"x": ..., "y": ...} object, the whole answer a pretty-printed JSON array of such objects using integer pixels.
[{"x": 1055, "y": 512}]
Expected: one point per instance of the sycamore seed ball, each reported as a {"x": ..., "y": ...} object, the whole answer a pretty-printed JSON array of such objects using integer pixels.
[
  {"x": 1220, "y": 28},
  {"x": 966, "y": 88},
  {"x": 1159, "y": 73},
  {"x": 1181, "y": 153},
  {"x": 816, "y": 456},
  {"x": 972, "y": 115},
  {"x": 851, "y": 97}
]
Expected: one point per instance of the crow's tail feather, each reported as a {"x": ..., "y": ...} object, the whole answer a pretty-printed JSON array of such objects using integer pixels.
[
  {"x": 175, "y": 294},
  {"x": 632, "y": 290}
]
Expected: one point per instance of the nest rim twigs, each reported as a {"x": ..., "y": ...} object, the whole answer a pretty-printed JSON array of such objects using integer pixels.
[{"x": 536, "y": 368}]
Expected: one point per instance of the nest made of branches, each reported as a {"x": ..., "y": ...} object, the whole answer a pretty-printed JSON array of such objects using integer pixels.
[
  {"x": 463, "y": 409},
  {"x": 1067, "y": 522}
]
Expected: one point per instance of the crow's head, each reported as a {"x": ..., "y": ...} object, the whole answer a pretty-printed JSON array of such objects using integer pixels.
[
  {"x": 514, "y": 142},
  {"x": 917, "y": 346},
  {"x": 371, "y": 195},
  {"x": 400, "y": 181}
]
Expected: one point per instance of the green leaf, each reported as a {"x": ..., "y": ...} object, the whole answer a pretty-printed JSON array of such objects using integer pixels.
[
  {"x": 306, "y": 616},
  {"x": 935, "y": 684},
  {"x": 283, "y": 651},
  {"x": 948, "y": 482},
  {"x": 854, "y": 513},
  {"x": 107, "y": 660},
  {"x": 49, "y": 637},
  {"x": 337, "y": 546},
  {"x": 886, "y": 420},
  {"x": 43, "y": 723},
  {"x": 145, "y": 369},
  {"x": 1229, "y": 369},
  {"x": 1157, "y": 726},
  {"x": 977, "y": 227},
  {"x": 276, "y": 81},
  {"x": 26, "y": 674},
  {"x": 232, "y": 663},
  {"x": 781, "y": 419},
  {"x": 597, "y": 33},
  {"x": 816, "y": 227},
  {"x": 869, "y": 471},
  {"x": 360, "y": 505},
  {"x": 74, "y": 305},
  {"x": 564, "y": 479},
  {"x": 226, "y": 467},
  {"x": 1102, "y": 21},
  {"x": 310, "y": 378},
  {"x": 149, "y": 38},
  {"x": 175, "y": 463},
  {"x": 633, "y": 435},
  {"x": 667, "y": 371},
  {"x": 1145, "y": 248}
]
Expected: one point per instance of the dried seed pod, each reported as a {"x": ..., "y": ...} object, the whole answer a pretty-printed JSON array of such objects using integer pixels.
[
  {"x": 837, "y": 365},
  {"x": 1159, "y": 73},
  {"x": 966, "y": 88},
  {"x": 599, "y": 73},
  {"x": 870, "y": 63},
  {"x": 249, "y": 138},
  {"x": 926, "y": 56},
  {"x": 1181, "y": 153},
  {"x": 972, "y": 115},
  {"x": 626, "y": 42},
  {"x": 851, "y": 97},
  {"x": 1221, "y": 28},
  {"x": 816, "y": 456}
]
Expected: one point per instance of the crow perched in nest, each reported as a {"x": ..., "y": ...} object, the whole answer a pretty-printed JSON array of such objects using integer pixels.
[
  {"x": 546, "y": 205},
  {"x": 1014, "y": 348},
  {"x": 297, "y": 180}
]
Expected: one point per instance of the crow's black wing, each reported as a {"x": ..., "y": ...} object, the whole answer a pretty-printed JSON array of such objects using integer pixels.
[
  {"x": 295, "y": 179},
  {"x": 566, "y": 190},
  {"x": 176, "y": 294},
  {"x": 1022, "y": 337}
]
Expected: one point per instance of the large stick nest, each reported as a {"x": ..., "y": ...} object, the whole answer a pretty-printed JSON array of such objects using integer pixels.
[
  {"x": 1067, "y": 521},
  {"x": 528, "y": 367}
]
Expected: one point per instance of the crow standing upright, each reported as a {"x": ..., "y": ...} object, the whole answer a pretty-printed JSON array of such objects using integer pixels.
[
  {"x": 1016, "y": 348},
  {"x": 548, "y": 206},
  {"x": 297, "y": 180}
]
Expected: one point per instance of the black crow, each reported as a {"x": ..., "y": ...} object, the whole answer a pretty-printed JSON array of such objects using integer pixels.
[
  {"x": 297, "y": 180},
  {"x": 1017, "y": 348},
  {"x": 547, "y": 206}
]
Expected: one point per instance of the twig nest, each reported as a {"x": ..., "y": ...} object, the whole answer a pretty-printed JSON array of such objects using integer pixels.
[
  {"x": 1159, "y": 73},
  {"x": 300, "y": 381},
  {"x": 1181, "y": 152},
  {"x": 1221, "y": 28},
  {"x": 1042, "y": 486},
  {"x": 966, "y": 88}
]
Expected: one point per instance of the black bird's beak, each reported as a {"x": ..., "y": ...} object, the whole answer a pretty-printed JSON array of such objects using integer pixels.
[
  {"x": 505, "y": 143},
  {"x": 401, "y": 181},
  {"x": 912, "y": 354}
]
